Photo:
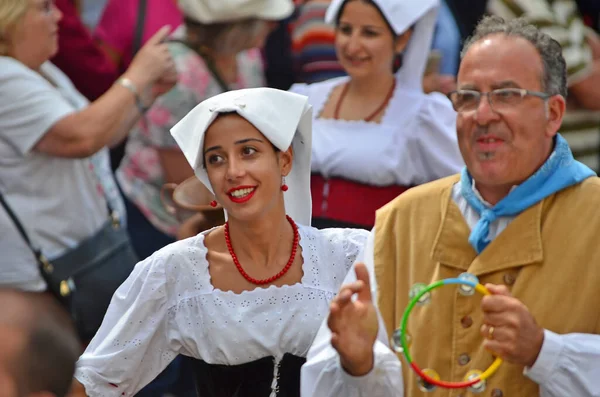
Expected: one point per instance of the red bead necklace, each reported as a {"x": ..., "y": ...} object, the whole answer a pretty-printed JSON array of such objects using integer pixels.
[
  {"x": 278, "y": 275},
  {"x": 336, "y": 113}
]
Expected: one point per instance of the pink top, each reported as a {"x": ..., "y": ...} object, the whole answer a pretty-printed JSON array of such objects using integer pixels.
[{"x": 118, "y": 24}]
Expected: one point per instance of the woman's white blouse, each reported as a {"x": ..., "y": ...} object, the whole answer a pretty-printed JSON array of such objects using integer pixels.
[
  {"x": 169, "y": 307},
  {"x": 414, "y": 143}
]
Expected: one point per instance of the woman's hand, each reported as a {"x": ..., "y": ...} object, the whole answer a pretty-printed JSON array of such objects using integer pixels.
[
  {"x": 153, "y": 65},
  {"x": 354, "y": 324}
]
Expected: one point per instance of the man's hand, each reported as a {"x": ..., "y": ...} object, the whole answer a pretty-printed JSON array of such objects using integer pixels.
[
  {"x": 354, "y": 324},
  {"x": 509, "y": 328}
]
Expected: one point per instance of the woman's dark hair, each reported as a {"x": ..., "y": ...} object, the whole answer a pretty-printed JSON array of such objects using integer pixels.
[{"x": 397, "y": 63}]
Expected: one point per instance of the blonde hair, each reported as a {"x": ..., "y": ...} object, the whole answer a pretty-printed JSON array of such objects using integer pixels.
[{"x": 11, "y": 13}]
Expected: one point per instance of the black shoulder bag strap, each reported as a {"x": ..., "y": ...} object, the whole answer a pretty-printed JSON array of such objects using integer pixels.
[
  {"x": 36, "y": 251},
  {"x": 44, "y": 265},
  {"x": 139, "y": 27}
]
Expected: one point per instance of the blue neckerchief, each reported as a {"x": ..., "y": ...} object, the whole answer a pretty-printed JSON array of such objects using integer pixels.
[{"x": 560, "y": 171}]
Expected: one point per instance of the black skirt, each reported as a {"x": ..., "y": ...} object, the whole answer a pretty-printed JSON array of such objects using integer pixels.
[{"x": 252, "y": 379}]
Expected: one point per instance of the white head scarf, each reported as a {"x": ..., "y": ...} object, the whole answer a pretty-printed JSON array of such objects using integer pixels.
[
  {"x": 284, "y": 118},
  {"x": 401, "y": 15},
  {"x": 213, "y": 11}
]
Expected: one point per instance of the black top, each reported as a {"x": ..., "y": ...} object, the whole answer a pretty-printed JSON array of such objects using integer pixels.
[{"x": 252, "y": 379}]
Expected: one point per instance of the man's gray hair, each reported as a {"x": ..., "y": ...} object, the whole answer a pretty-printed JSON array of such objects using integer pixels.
[{"x": 554, "y": 78}]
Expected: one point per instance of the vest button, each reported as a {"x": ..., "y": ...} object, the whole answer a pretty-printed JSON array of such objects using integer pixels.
[
  {"x": 464, "y": 359},
  {"x": 509, "y": 279},
  {"x": 497, "y": 393},
  {"x": 466, "y": 321}
]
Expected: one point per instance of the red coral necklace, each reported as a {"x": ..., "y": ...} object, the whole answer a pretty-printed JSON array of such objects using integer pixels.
[{"x": 278, "y": 275}]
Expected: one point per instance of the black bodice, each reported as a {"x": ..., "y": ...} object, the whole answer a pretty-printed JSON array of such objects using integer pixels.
[{"x": 252, "y": 379}]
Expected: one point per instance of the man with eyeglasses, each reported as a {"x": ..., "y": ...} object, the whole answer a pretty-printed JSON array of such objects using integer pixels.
[{"x": 522, "y": 217}]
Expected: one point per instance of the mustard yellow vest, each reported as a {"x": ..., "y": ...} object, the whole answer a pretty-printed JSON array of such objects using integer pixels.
[{"x": 549, "y": 257}]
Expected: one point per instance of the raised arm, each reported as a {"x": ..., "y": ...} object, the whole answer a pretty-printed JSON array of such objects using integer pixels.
[
  {"x": 108, "y": 120},
  {"x": 350, "y": 355}
]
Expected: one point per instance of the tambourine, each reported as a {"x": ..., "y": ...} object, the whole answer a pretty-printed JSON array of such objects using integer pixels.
[{"x": 420, "y": 294}]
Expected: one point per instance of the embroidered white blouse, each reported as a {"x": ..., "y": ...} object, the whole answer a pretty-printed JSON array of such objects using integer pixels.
[
  {"x": 169, "y": 307},
  {"x": 414, "y": 143}
]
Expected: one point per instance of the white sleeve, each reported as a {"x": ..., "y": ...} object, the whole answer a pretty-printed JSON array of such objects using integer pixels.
[
  {"x": 29, "y": 106},
  {"x": 299, "y": 88},
  {"x": 135, "y": 342},
  {"x": 435, "y": 141},
  {"x": 323, "y": 375},
  {"x": 568, "y": 365}
]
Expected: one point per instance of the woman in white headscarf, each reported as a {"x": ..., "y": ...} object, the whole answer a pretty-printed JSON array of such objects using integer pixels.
[
  {"x": 244, "y": 299},
  {"x": 217, "y": 49},
  {"x": 376, "y": 133}
]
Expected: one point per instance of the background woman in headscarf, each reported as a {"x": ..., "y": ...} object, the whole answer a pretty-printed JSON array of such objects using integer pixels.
[
  {"x": 217, "y": 49},
  {"x": 244, "y": 299},
  {"x": 376, "y": 133}
]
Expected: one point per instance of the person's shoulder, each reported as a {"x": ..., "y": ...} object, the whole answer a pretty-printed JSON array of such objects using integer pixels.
[
  {"x": 183, "y": 56},
  {"x": 585, "y": 192},
  {"x": 320, "y": 88},
  {"x": 349, "y": 238},
  {"x": 436, "y": 106},
  {"x": 330, "y": 254},
  {"x": 179, "y": 255},
  {"x": 422, "y": 196},
  {"x": 591, "y": 184},
  {"x": 13, "y": 69}
]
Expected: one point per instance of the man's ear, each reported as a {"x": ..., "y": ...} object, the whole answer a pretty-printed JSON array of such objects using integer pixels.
[{"x": 555, "y": 111}]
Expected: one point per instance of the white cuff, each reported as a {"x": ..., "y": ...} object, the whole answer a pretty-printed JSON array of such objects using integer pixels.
[
  {"x": 543, "y": 368},
  {"x": 380, "y": 353}
]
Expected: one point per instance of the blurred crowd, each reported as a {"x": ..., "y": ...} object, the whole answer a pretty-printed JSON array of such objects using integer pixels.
[{"x": 90, "y": 90}]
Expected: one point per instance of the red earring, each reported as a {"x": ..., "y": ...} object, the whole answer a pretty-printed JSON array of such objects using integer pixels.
[
  {"x": 284, "y": 187},
  {"x": 213, "y": 203}
]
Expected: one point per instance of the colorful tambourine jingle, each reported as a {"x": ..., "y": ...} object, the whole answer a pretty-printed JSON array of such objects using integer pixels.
[
  {"x": 396, "y": 341},
  {"x": 466, "y": 289},
  {"x": 420, "y": 294},
  {"x": 425, "y": 386},
  {"x": 477, "y": 387},
  {"x": 416, "y": 290}
]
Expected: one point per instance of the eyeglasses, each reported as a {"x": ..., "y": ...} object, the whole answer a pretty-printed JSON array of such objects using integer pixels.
[{"x": 500, "y": 99}]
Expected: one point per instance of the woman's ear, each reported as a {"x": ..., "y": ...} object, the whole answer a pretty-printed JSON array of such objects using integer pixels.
[
  {"x": 402, "y": 41},
  {"x": 285, "y": 161}
]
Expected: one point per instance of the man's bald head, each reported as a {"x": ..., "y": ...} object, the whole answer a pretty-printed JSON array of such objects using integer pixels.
[{"x": 38, "y": 343}]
